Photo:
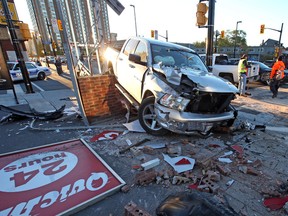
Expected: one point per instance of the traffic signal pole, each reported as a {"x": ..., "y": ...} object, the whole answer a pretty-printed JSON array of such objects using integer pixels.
[
  {"x": 210, "y": 34},
  {"x": 17, "y": 48},
  {"x": 280, "y": 31}
]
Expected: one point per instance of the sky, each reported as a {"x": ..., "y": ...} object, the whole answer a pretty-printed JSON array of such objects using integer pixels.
[{"x": 179, "y": 18}]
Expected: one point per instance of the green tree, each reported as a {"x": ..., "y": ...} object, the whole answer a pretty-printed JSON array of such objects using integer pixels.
[
  {"x": 229, "y": 39},
  {"x": 198, "y": 44}
]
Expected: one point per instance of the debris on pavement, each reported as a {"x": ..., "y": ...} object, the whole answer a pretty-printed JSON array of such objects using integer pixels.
[
  {"x": 134, "y": 126},
  {"x": 34, "y": 114},
  {"x": 106, "y": 135},
  {"x": 131, "y": 209},
  {"x": 179, "y": 168},
  {"x": 150, "y": 164},
  {"x": 133, "y": 145}
]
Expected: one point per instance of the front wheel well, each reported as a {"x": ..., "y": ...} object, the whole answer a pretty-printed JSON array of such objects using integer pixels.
[{"x": 227, "y": 76}]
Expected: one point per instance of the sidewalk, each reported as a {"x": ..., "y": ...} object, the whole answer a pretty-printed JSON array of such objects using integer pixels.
[{"x": 43, "y": 101}]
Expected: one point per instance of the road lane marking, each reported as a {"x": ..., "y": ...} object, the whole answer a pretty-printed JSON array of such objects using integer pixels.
[{"x": 38, "y": 87}]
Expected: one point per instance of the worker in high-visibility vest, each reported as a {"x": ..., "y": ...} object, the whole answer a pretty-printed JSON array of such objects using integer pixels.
[
  {"x": 242, "y": 73},
  {"x": 276, "y": 75}
]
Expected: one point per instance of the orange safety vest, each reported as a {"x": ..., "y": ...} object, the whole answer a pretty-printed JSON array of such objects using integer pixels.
[{"x": 279, "y": 65}]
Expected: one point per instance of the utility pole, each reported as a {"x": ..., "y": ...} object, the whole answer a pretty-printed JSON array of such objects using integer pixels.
[{"x": 17, "y": 48}]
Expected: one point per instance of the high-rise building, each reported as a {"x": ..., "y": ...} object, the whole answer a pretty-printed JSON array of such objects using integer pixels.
[{"x": 85, "y": 21}]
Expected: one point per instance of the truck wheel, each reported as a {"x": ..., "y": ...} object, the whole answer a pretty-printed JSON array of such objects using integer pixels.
[{"x": 147, "y": 117}]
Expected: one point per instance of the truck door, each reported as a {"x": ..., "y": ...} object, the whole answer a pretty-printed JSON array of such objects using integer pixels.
[
  {"x": 122, "y": 67},
  {"x": 138, "y": 70}
]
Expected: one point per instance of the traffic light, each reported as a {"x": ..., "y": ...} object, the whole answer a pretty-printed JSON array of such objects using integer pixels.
[
  {"x": 222, "y": 34},
  {"x": 262, "y": 27},
  {"x": 24, "y": 29},
  {"x": 202, "y": 9},
  {"x": 152, "y": 33}
]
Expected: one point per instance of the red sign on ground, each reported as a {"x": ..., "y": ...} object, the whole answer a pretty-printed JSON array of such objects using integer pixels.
[{"x": 54, "y": 179}]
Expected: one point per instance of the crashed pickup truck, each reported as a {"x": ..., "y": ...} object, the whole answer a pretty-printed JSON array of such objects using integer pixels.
[{"x": 171, "y": 87}]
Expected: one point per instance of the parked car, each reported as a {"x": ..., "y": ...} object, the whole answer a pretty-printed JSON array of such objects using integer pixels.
[
  {"x": 34, "y": 71},
  {"x": 51, "y": 59},
  {"x": 264, "y": 72}
]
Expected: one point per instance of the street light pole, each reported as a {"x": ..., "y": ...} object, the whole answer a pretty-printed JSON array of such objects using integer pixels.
[
  {"x": 236, "y": 36},
  {"x": 135, "y": 19}
]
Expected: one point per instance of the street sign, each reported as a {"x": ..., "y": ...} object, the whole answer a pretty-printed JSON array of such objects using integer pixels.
[
  {"x": 116, "y": 6},
  {"x": 54, "y": 179},
  {"x": 13, "y": 13}
]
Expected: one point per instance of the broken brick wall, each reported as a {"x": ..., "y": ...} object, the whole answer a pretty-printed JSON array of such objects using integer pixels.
[{"x": 100, "y": 97}]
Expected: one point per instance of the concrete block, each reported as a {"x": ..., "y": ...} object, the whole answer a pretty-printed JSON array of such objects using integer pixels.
[{"x": 150, "y": 164}]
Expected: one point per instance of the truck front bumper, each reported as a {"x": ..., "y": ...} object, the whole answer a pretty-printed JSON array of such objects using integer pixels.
[{"x": 189, "y": 123}]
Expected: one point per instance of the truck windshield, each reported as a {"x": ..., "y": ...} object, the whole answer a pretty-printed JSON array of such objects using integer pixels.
[{"x": 176, "y": 57}]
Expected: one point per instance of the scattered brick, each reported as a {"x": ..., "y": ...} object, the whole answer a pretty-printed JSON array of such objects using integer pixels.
[
  {"x": 223, "y": 170},
  {"x": 180, "y": 180},
  {"x": 125, "y": 189},
  {"x": 174, "y": 150},
  {"x": 213, "y": 176},
  {"x": 148, "y": 150},
  {"x": 211, "y": 185},
  {"x": 145, "y": 177},
  {"x": 257, "y": 163},
  {"x": 131, "y": 209}
]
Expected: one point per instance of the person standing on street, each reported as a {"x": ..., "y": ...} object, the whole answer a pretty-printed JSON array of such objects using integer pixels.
[
  {"x": 242, "y": 73},
  {"x": 58, "y": 65},
  {"x": 276, "y": 75}
]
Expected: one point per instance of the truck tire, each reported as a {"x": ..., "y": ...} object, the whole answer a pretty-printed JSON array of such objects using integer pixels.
[{"x": 147, "y": 117}]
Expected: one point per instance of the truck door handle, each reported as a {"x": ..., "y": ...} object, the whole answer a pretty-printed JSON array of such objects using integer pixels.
[
  {"x": 120, "y": 59},
  {"x": 131, "y": 66}
]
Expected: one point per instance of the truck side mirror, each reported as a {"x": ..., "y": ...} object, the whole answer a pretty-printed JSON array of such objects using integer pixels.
[
  {"x": 210, "y": 68},
  {"x": 136, "y": 59}
]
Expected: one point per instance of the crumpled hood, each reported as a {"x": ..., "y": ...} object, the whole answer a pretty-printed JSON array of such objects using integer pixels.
[{"x": 206, "y": 82}]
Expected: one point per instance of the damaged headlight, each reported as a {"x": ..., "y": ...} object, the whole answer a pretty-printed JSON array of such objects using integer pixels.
[{"x": 173, "y": 102}]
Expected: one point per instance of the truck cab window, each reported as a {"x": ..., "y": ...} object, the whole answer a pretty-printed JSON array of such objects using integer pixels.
[
  {"x": 130, "y": 46},
  {"x": 142, "y": 52}
]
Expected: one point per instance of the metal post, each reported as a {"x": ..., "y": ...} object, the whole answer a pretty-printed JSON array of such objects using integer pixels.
[
  {"x": 236, "y": 37},
  {"x": 51, "y": 40},
  {"x": 167, "y": 35},
  {"x": 135, "y": 19},
  {"x": 68, "y": 54},
  {"x": 17, "y": 48},
  {"x": 216, "y": 40},
  {"x": 280, "y": 38},
  {"x": 211, "y": 14}
]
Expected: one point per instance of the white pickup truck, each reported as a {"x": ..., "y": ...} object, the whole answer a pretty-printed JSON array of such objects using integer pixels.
[
  {"x": 171, "y": 87},
  {"x": 223, "y": 68}
]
